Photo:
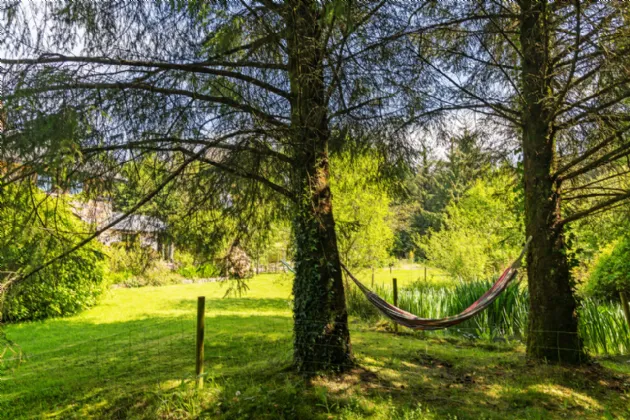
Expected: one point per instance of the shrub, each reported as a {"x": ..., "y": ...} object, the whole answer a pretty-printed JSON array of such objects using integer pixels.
[
  {"x": 190, "y": 269},
  {"x": 131, "y": 260},
  {"x": 64, "y": 288},
  {"x": 611, "y": 273}
]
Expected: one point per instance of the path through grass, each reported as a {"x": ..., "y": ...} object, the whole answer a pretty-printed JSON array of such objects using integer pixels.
[{"x": 133, "y": 357}]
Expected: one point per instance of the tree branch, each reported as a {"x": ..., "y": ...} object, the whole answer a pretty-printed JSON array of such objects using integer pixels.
[
  {"x": 590, "y": 152},
  {"x": 198, "y": 67},
  {"x": 166, "y": 91},
  {"x": 110, "y": 225},
  {"x": 601, "y": 206}
]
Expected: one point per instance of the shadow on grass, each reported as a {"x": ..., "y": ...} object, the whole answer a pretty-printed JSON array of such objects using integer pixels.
[{"x": 145, "y": 369}]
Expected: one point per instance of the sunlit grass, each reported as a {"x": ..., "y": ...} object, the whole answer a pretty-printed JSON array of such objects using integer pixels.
[
  {"x": 405, "y": 273},
  {"x": 133, "y": 357}
]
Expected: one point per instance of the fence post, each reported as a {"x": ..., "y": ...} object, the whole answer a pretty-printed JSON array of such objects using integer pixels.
[
  {"x": 624, "y": 306},
  {"x": 395, "y": 284},
  {"x": 372, "y": 278},
  {"x": 425, "y": 273},
  {"x": 201, "y": 327}
]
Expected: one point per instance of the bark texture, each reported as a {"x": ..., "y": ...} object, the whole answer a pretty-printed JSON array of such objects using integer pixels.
[
  {"x": 321, "y": 335},
  {"x": 553, "y": 323}
]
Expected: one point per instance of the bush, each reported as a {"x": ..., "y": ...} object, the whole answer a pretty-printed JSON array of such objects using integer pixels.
[
  {"x": 611, "y": 273},
  {"x": 131, "y": 261},
  {"x": 190, "y": 269},
  {"x": 64, "y": 288}
]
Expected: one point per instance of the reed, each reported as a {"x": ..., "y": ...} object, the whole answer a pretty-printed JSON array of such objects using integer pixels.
[{"x": 602, "y": 324}]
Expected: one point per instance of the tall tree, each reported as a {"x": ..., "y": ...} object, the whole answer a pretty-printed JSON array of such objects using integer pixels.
[
  {"x": 554, "y": 78},
  {"x": 259, "y": 93}
]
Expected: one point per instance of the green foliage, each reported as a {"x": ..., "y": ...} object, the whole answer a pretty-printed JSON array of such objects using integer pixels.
[
  {"x": 603, "y": 327},
  {"x": 35, "y": 234},
  {"x": 612, "y": 271},
  {"x": 362, "y": 211},
  {"x": 131, "y": 259},
  {"x": 136, "y": 266},
  {"x": 480, "y": 233},
  {"x": 190, "y": 269},
  {"x": 437, "y": 183}
]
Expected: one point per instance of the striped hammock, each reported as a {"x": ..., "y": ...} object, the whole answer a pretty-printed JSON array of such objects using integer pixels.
[{"x": 409, "y": 320}]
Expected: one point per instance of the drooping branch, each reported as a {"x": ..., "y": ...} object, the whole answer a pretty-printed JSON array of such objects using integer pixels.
[
  {"x": 607, "y": 141},
  {"x": 144, "y": 200},
  {"x": 194, "y": 67},
  {"x": 249, "y": 175},
  {"x": 612, "y": 156},
  {"x": 271, "y": 119}
]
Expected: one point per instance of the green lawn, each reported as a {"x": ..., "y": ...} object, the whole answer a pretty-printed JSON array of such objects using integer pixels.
[
  {"x": 133, "y": 357},
  {"x": 405, "y": 274}
]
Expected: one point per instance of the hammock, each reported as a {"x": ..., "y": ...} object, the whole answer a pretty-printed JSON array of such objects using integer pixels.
[{"x": 409, "y": 320}]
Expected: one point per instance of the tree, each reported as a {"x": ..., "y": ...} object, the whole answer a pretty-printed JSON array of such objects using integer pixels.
[
  {"x": 554, "y": 76},
  {"x": 481, "y": 232},
  {"x": 251, "y": 91},
  {"x": 439, "y": 182},
  {"x": 362, "y": 210}
]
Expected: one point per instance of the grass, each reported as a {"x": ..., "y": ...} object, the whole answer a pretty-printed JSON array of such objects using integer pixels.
[
  {"x": 133, "y": 357},
  {"x": 603, "y": 325},
  {"x": 406, "y": 274}
]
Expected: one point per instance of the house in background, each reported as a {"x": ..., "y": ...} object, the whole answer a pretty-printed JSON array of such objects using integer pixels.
[{"x": 147, "y": 231}]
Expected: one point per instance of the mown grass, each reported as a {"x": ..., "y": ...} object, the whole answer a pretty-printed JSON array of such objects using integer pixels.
[
  {"x": 406, "y": 274},
  {"x": 133, "y": 357}
]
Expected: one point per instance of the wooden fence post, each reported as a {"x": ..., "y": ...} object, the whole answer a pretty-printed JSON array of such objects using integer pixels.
[
  {"x": 624, "y": 306},
  {"x": 201, "y": 327},
  {"x": 395, "y": 284},
  {"x": 372, "y": 278},
  {"x": 425, "y": 273}
]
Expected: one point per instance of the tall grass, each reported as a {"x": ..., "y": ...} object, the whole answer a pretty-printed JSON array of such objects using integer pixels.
[
  {"x": 604, "y": 328},
  {"x": 602, "y": 325}
]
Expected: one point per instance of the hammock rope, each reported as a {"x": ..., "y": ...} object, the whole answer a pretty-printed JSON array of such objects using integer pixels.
[{"x": 409, "y": 320}]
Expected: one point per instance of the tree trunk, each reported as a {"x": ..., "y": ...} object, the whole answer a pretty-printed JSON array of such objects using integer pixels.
[
  {"x": 321, "y": 335},
  {"x": 553, "y": 324}
]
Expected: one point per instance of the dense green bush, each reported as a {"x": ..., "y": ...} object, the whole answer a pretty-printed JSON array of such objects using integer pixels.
[
  {"x": 40, "y": 228},
  {"x": 189, "y": 268},
  {"x": 611, "y": 273},
  {"x": 131, "y": 259},
  {"x": 132, "y": 265}
]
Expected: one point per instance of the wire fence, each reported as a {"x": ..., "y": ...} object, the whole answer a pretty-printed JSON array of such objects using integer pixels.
[{"x": 249, "y": 357}]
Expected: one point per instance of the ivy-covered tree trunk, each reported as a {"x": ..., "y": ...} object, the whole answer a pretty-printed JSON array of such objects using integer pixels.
[
  {"x": 321, "y": 335},
  {"x": 553, "y": 327}
]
